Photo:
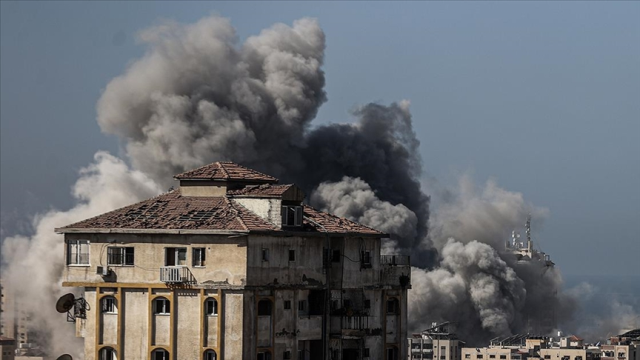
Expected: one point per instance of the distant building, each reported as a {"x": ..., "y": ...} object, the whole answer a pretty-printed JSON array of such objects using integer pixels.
[
  {"x": 7, "y": 348},
  {"x": 623, "y": 347},
  {"x": 437, "y": 343},
  {"x": 524, "y": 252},
  {"x": 14, "y": 321},
  {"x": 233, "y": 265}
]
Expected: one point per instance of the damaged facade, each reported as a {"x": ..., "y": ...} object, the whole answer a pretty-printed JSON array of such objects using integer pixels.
[{"x": 233, "y": 265}]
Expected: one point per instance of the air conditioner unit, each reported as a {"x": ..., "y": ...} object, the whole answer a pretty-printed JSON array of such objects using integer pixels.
[{"x": 102, "y": 270}]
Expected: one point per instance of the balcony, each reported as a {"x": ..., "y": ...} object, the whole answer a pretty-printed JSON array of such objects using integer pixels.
[
  {"x": 395, "y": 270},
  {"x": 176, "y": 275}
]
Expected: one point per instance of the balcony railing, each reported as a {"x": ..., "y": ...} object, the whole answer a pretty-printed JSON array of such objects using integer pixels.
[
  {"x": 176, "y": 275},
  {"x": 395, "y": 260}
]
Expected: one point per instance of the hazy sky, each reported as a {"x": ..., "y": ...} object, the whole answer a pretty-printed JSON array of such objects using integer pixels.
[{"x": 542, "y": 96}]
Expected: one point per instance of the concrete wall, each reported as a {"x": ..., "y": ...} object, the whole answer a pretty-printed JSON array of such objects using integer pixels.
[
  {"x": 305, "y": 270},
  {"x": 136, "y": 323},
  {"x": 226, "y": 258},
  {"x": 203, "y": 188},
  {"x": 233, "y": 325},
  {"x": 187, "y": 319},
  {"x": 268, "y": 209}
]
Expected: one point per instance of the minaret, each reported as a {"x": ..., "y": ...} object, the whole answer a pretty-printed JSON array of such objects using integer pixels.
[{"x": 529, "y": 242}]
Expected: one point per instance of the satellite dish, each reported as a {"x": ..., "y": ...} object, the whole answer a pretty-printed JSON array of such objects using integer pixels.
[
  {"x": 65, "y": 356},
  {"x": 64, "y": 304}
]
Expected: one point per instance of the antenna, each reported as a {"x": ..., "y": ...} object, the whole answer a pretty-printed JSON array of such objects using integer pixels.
[
  {"x": 74, "y": 307},
  {"x": 64, "y": 357},
  {"x": 528, "y": 225}
]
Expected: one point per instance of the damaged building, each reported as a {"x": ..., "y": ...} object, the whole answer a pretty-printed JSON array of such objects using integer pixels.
[{"x": 233, "y": 265}]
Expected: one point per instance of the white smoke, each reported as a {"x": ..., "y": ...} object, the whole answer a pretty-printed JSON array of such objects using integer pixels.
[
  {"x": 197, "y": 95},
  {"x": 33, "y": 265},
  {"x": 354, "y": 199}
]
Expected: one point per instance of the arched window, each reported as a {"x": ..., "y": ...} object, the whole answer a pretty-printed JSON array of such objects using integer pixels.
[
  {"x": 107, "y": 353},
  {"x": 211, "y": 307},
  {"x": 264, "y": 307},
  {"x": 161, "y": 306},
  {"x": 210, "y": 355},
  {"x": 160, "y": 354},
  {"x": 393, "y": 306},
  {"x": 109, "y": 305}
]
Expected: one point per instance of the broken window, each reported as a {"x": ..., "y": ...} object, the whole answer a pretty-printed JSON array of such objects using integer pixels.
[
  {"x": 292, "y": 255},
  {"x": 175, "y": 256},
  {"x": 292, "y": 215},
  {"x": 336, "y": 256},
  {"x": 365, "y": 259},
  {"x": 316, "y": 302},
  {"x": 109, "y": 305},
  {"x": 211, "y": 307},
  {"x": 265, "y": 254},
  {"x": 78, "y": 252},
  {"x": 199, "y": 257},
  {"x": 264, "y": 307},
  {"x": 161, "y": 306},
  {"x": 287, "y": 304},
  {"x": 392, "y": 306},
  {"x": 120, "y": 255}
]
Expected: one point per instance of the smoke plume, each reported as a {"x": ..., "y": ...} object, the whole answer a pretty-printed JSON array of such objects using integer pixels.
[{"x": 199, "y": 96}]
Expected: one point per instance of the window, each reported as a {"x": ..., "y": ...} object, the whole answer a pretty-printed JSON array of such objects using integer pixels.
[
  {"x": 78, "y": 252},
  {"x": 503, "y": 357},
  {"x": 392, "y": 306},
  {"x": 443, "y": 357},
  {"x": 286, "y": 355},
  {"x": 109, "y": 305},
  {"x": 292, "y": 255},
  {"x": 291, "y": 215},
  {"x": 443, "y": 348},
  {"x": 160, "y": 354},
  {"x": 161, "y": 306},
  {"x": 265, "y": 254},
  {"x": 302, "y": 306},
  {"x": 492, "y": 356},
  {"x": 175, "y": 257},
  {"x": 107, "y": 354},
  {"x": 287, "y": 304},
  {"x": 365, "y": 353},
  {"x": 210, "y": 355},
  {"x": 264, "y": 355},
  {"x": 335, "y": 256},
  {"x": 392, "y": 353},
  {"x": 467, "y": 356},
  {"x": 365, "y": 259},
  {"x": 367, "y": 304},
  {"x": 479, "y": 356},
  {"x": 264, "y": 307},
  {"x": 199, "y": 257},
  {"x": 546, "y": 356},
  {"x": 119, "y": 255},
  {"x": 211, "y": 307}
]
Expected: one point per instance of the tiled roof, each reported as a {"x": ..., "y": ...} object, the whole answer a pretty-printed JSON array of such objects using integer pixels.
[
  {"x": 575, "y": 338},
  {"x": 264, "y": 190},
  {"x": 226, "y": 170},
  {"x": 334, "y": 224},
  {"x": 172, "y": 211}
]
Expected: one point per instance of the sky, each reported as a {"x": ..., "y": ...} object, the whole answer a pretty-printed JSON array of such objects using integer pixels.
[{"x": 543, "y": 97}]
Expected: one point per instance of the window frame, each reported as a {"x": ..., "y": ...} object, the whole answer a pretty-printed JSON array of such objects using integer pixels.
[
  {"x": 107, "y": 353},
  {"x": 121, "y": 253},
  {"x": 160, "y": 351},
  {"x": 210, "y": 352},
  {"x": 176, "y": 255},
  {"x": 292, "y": 255},
  {"x": 166, "y": 307},
  {"x": 109, "y": 305},
  {"x": 291, "y": 215},
  {"x": 77, "y": 244},
  {"x": 215, "y": 311},
  {"x": 199, "y": 257},
  {"x": 264, "y": 254}
]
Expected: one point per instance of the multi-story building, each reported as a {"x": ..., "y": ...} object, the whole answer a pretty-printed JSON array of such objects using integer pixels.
[
  {"x": 14, "y": 320},
  {"x": 623, "y": 347},
  {"x": 437, "y": 343},
  {"x": 232, "y": 265},
  {"x": 7, "y": 348}
]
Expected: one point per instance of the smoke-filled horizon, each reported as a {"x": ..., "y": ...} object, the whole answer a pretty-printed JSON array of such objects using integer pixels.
[{"x": 199, "y": 96}]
